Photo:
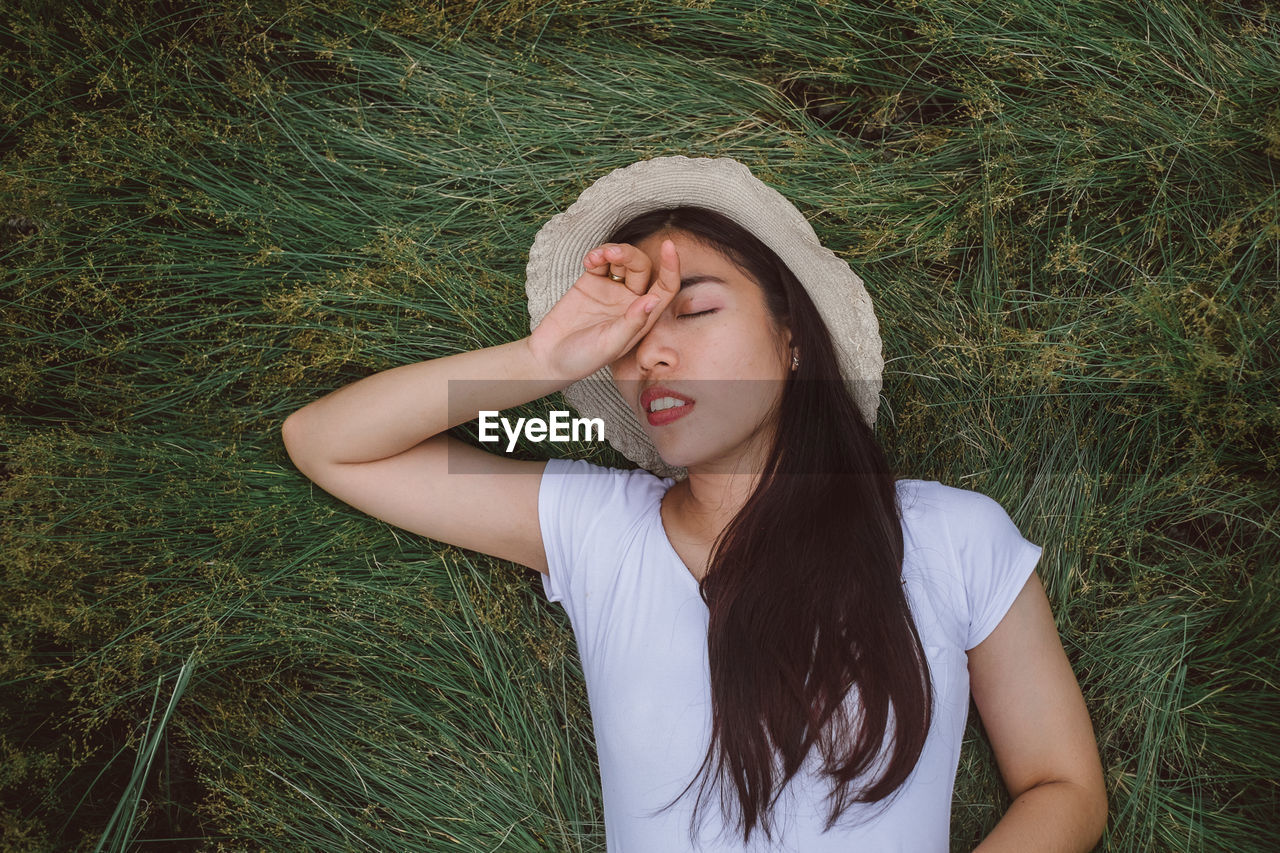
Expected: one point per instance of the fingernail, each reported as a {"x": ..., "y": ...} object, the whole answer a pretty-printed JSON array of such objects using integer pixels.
[{"x": 650, "y": 305}]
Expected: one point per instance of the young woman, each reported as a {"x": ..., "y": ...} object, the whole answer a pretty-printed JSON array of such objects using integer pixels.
[{"x": 779, "y": 640}]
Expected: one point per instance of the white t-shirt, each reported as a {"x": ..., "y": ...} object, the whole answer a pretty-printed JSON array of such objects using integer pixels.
[{"x": 641, "y": 630}]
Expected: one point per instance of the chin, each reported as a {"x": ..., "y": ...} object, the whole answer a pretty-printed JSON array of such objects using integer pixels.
[
  {"x": 676, "y": 461},
  {"x": 689, "y": 457},
  {"x": 677, "y": 456},
  {"x": 698, "y": 446}
]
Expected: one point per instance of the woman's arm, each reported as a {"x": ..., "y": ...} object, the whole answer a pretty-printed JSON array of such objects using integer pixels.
[
  {"x": 380, "y": 444},
  {"x": 1039, "y": 728},
  {"x": 390, "y": 412}
]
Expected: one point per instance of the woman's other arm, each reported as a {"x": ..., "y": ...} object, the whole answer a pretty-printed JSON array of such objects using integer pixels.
[{"x": 1039, "y": 728}]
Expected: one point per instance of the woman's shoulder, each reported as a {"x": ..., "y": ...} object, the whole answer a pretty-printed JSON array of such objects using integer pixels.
[
  {"x": 564, "y": 466},
  {"x": 967, "y": 525},
  {"x": 930, "y": 500},
  {"x": 602, "y": 483},
  {"x": 962, "y": 545}
]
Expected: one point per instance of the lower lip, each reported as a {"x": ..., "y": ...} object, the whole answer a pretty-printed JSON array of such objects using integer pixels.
[{"x": 666, "y": 416}]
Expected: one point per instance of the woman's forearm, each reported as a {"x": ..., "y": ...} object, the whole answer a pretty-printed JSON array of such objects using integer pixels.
[
  {"x": 1055, "y": 817},
  {"x": 389, "y": 412}
]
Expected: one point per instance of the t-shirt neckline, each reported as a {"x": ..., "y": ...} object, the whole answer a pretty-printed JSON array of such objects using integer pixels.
[{"x": 666, "y": 540}]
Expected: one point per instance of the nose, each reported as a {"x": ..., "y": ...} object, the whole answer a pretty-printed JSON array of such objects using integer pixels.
[{"x": 656, "y": 350}]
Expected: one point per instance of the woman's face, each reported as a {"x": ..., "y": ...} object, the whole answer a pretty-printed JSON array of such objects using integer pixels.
[{"x": 714, "y": 351}]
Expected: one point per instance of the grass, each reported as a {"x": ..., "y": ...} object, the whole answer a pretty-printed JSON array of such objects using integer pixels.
[{"x": 1068, "y": 217}]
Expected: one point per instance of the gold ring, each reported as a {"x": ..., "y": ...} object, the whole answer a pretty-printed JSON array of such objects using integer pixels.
[{"x": 617, "y": 278}]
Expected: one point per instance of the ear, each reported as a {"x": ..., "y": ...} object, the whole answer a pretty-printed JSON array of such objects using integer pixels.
[{"x": 793, "y": 351}]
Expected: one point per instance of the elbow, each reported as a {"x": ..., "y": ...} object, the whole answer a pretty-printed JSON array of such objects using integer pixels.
[
  {"x": 1093, "y": 795},
  {"x": 1098, "y": 811},
  {"x": 1091, "y": 811},
  {"x": 289, "y": 432},
  {"x": 292, "y": 435},
  {"x": 1079, "y": 805},
  {"x": 306, "y": 446}
]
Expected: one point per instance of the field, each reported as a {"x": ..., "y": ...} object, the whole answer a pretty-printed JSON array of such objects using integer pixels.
[{"x": 1067, "y": 214}]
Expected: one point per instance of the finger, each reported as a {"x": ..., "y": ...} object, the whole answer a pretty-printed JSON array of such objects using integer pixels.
[
  {"x": 594, "y": 262},
  {"x": 620, "y": 262},
  {"x": 635, "y": 323},
  {"x": 666, "y": 283},
  {"x": 631, "y": 264}
]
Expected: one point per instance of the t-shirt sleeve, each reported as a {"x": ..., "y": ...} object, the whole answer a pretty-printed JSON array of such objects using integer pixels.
[
  {"x": 585, "y": 512},
  {"x": 562, "y": 517},
  {"x": 993, "y": 558}
]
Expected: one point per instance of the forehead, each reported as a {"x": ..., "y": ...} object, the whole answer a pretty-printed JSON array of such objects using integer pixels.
[{"x": 699, "y": 261}]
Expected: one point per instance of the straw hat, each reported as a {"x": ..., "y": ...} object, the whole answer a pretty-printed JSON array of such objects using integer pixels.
[{"x": 728, "y": 187}]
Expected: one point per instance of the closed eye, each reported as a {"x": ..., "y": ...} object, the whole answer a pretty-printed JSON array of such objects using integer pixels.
[{"x": 697, "y": 314}]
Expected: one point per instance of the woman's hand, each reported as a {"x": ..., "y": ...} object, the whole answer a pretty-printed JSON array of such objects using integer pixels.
[{"x": 599, "y": 319}]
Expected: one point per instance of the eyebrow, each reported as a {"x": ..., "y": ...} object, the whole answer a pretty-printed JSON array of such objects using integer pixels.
[{"x": 700, "y": 279}]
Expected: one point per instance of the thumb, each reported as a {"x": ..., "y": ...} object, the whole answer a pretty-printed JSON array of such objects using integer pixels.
[
  {"x": 638, "y": 311},
  {"x": 637, "y": 316}
]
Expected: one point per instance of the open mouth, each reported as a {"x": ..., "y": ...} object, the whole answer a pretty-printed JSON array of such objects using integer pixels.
[
  {"x": 658, "y": 417},
  {"x": 662, "y": 406}
]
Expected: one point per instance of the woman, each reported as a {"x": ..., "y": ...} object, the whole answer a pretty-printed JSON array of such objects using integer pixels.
[{"x": 778, "y": 640}]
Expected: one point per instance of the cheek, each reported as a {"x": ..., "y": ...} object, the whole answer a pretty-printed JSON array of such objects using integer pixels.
[
  {"x": 624, "y": 366},
  {"x": 752, "y": 352}
]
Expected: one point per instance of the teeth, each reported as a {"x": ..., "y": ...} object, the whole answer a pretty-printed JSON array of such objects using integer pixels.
[{"x": 665, "y": 403}]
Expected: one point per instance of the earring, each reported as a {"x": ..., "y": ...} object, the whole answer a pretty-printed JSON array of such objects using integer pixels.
[{"x": 795, "y": 359}]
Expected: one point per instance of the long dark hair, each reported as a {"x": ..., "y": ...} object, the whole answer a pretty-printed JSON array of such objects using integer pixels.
[{"x": 804, "y": 585}]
